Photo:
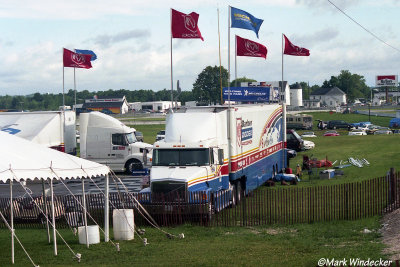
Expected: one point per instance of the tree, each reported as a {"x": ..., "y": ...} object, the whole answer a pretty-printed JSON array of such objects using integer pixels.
[
  {"x": 207, "y": 87},
  {"x": 237, "y": 81},
  {"x": 352, "y": 84}
]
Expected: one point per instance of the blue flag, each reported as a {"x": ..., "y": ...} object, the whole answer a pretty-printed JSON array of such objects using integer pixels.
[
  {"x": 244, "y": 20},
  {"x": 87, "y": 52}
]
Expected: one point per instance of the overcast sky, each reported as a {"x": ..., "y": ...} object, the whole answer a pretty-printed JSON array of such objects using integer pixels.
[{"x": 132, "y": 42}]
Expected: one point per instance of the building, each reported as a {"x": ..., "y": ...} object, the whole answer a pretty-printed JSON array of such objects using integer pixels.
[
  {"x": 296, "y": 95},
  {"x": 155, "y": 106},
  {"x": 108, "y": 105},
  {"x": 311, "y": 103},
  {"x": 329, "y": 97}
]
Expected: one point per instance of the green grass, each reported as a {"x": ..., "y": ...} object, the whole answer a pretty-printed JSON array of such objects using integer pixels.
[
  {"x": 149, "y": 131},
  {"x": 295, "y": 245}
]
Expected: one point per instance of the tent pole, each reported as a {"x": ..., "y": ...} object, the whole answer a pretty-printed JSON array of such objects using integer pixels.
[
  {"x": 12, "y": 220},
  {"x": 106, "y": 212},
  {"x": 53, "y": 217},
  {"x": 46, "y": 212},
  {"x": 84, "y": 210}
]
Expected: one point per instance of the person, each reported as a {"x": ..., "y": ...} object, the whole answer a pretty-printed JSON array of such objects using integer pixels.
[{"x": 298, "y": 171}]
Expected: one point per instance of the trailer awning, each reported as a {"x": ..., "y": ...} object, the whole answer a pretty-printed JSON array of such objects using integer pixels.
[{"x": 21, "y": 159}]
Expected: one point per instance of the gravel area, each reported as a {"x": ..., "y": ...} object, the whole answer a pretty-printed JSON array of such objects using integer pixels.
[{"x": 391, "y": 234}]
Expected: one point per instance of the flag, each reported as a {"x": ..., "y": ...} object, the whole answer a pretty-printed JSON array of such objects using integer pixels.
[
  {"x": 75, "y": 60},
  {"x": 293, "y": 50},
  {"x": 87, "y": 52},
  {"x": 248, "y": 48},
  {"x": 185, "y": 26},
  {"x": 244, "y": 20}
]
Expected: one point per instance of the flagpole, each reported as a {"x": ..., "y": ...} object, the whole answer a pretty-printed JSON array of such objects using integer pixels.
[
  {"x": 74, "y": 89},
  {"x": 282, "y": 68},
  {"x": 63, "y": 98},
  {"x": 283, "y": 114},
  {"x": 172, "y": 85},
  {"x": 229, "y": 92},
  {"x": 219, "y": 52}
]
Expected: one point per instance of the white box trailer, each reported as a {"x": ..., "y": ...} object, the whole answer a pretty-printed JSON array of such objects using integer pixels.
[
  {"x": 106, "y": 140},
  {"x": 54, "y": 129},
  {"x": 217, "y": 148}
]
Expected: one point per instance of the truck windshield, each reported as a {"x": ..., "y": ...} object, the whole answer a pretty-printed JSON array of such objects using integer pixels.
[
  {"x": 181, "y": 157},
  {"x": 130, "y": 138}
]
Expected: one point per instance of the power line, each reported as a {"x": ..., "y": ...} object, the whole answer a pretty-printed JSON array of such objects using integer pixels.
[{"x": 365, "y": 29}]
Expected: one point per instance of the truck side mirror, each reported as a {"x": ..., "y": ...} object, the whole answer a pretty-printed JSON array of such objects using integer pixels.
[
  {"x": 220, "y": 156},
  {"x": 144, "y": 156}
]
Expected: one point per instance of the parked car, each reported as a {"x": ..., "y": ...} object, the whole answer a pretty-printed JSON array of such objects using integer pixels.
[
  {"x": 331, "y": 133},
  {"x": 293, "y": 140},
  {"x": 160, "y": 135},
  {"x": 338, "y": 124},
  {"x": 383, "y": 130},
  {"x": 139, "y": 136},
  {"x": 308, "y": 144},
  {"x": 357, "y": 132},
  {"x": 371, "y": 128},
  {"x": 308, "y": 134},
  {"x": 291, "y": 153}
]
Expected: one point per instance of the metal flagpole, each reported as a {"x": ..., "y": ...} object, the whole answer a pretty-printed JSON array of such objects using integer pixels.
[
  {"x": 229, "y": 91},
  {"x": 74, "y": 89},
  {"x": 172, "y": 85},
  {"x": 282, "y": 71},
  {"x": 283, "y": 113},
  {"x": 63, "y": 81},
  {"x": 12, "y": 221}
]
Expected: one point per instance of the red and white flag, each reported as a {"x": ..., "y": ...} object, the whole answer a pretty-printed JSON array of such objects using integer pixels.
[
  {"x": 75, "y": 60},
  {"x": 248, "y": 48},
  {"x": 293, "y": 50},
  {"x": 184, "y": 26}
]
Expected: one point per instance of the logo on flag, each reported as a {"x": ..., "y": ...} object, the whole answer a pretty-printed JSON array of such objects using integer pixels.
[
  {"x": 185, "y": 26},
  {"x": 293, "y": 50},
  {"x": 87, "y": 52},
  {"x": 249, "y": 48},
  {"x": 74, "y": 60},
  {"x": 242, "y": 19}
]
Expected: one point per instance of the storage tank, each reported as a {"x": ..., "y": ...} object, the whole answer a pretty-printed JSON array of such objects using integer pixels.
[{"x": 296, "y": 95}]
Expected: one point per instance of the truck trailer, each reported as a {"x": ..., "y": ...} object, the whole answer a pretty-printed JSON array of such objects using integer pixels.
[
  {"x": 218, "y": 149},
  {"x": 108, "y": 141},
  {"x": 54, "y": 129}
]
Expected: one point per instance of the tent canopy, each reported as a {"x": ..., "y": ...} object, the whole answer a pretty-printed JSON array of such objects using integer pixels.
[{"x": 21, "y": 159}]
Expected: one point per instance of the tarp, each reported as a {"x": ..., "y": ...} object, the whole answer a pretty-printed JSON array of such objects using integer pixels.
[{"x": 21, "y": 159}]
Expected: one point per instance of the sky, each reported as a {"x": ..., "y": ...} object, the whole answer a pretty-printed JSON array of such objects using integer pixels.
[{"x": 132, "y": 41}]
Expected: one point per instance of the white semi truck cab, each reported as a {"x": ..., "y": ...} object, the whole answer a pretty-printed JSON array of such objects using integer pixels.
[{"x": 106, "y": 140}]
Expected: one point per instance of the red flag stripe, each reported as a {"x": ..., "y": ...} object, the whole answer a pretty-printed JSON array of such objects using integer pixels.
[
  {"x": 185, "y": 26},
  {"x": 248, "y": 48},
  {"x": 293, "y": 50},
  {"x": 75, "y": 60}
]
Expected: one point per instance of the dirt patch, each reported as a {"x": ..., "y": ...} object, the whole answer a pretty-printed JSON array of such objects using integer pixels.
[{"x": 391, "y": 234}]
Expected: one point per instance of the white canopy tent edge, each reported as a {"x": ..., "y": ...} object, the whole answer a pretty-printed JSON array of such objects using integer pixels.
[{"x": 22, "y": 160}]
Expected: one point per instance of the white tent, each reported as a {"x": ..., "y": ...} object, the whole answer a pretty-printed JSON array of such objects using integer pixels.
[{"x": 22, "y": 160}]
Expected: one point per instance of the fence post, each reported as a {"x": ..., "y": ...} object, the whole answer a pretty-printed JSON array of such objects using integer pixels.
[{"x": 392, "y": 185}]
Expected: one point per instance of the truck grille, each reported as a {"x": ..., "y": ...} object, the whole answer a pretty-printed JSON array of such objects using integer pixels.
[{"x": 169, "y": 191}]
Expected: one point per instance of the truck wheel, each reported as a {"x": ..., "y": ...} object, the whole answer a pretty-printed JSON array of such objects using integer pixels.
[
  {"x": 238, "y": 191},
  {"x": 234, "y": 198},
  {"x": 133, "y": 165}
]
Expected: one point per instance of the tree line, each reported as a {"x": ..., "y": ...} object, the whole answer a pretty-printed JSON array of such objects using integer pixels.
[{"x": 206, "y": 90}]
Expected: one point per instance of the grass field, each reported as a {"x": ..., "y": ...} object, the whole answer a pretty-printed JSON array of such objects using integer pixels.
[
  {"x": 295, "y": 245},
  {"x": 269, "y": 245}
]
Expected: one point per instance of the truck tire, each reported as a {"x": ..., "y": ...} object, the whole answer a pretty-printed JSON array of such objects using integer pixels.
[
  {"x": 238, "y": 191},
  {"x": 133, "y": 164}
]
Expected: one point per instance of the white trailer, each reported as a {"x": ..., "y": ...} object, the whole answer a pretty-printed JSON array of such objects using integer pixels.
[
  {"x": 106, "y": 140},
  {"x": 217, "y": 148},
  {"x": 54, "y": 129}
]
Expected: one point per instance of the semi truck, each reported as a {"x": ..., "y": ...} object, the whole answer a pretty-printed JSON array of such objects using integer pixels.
[
  {"x": 106, "y": 140},
  {"x": 54, "y": 129},
  {"x": 214, "y": 149}
]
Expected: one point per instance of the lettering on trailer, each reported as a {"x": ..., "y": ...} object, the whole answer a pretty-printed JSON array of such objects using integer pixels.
[
  {"x": 118, "y": 148},
  {"x": 244, "y": 132},
  {"x": 9, "y": 129}
]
